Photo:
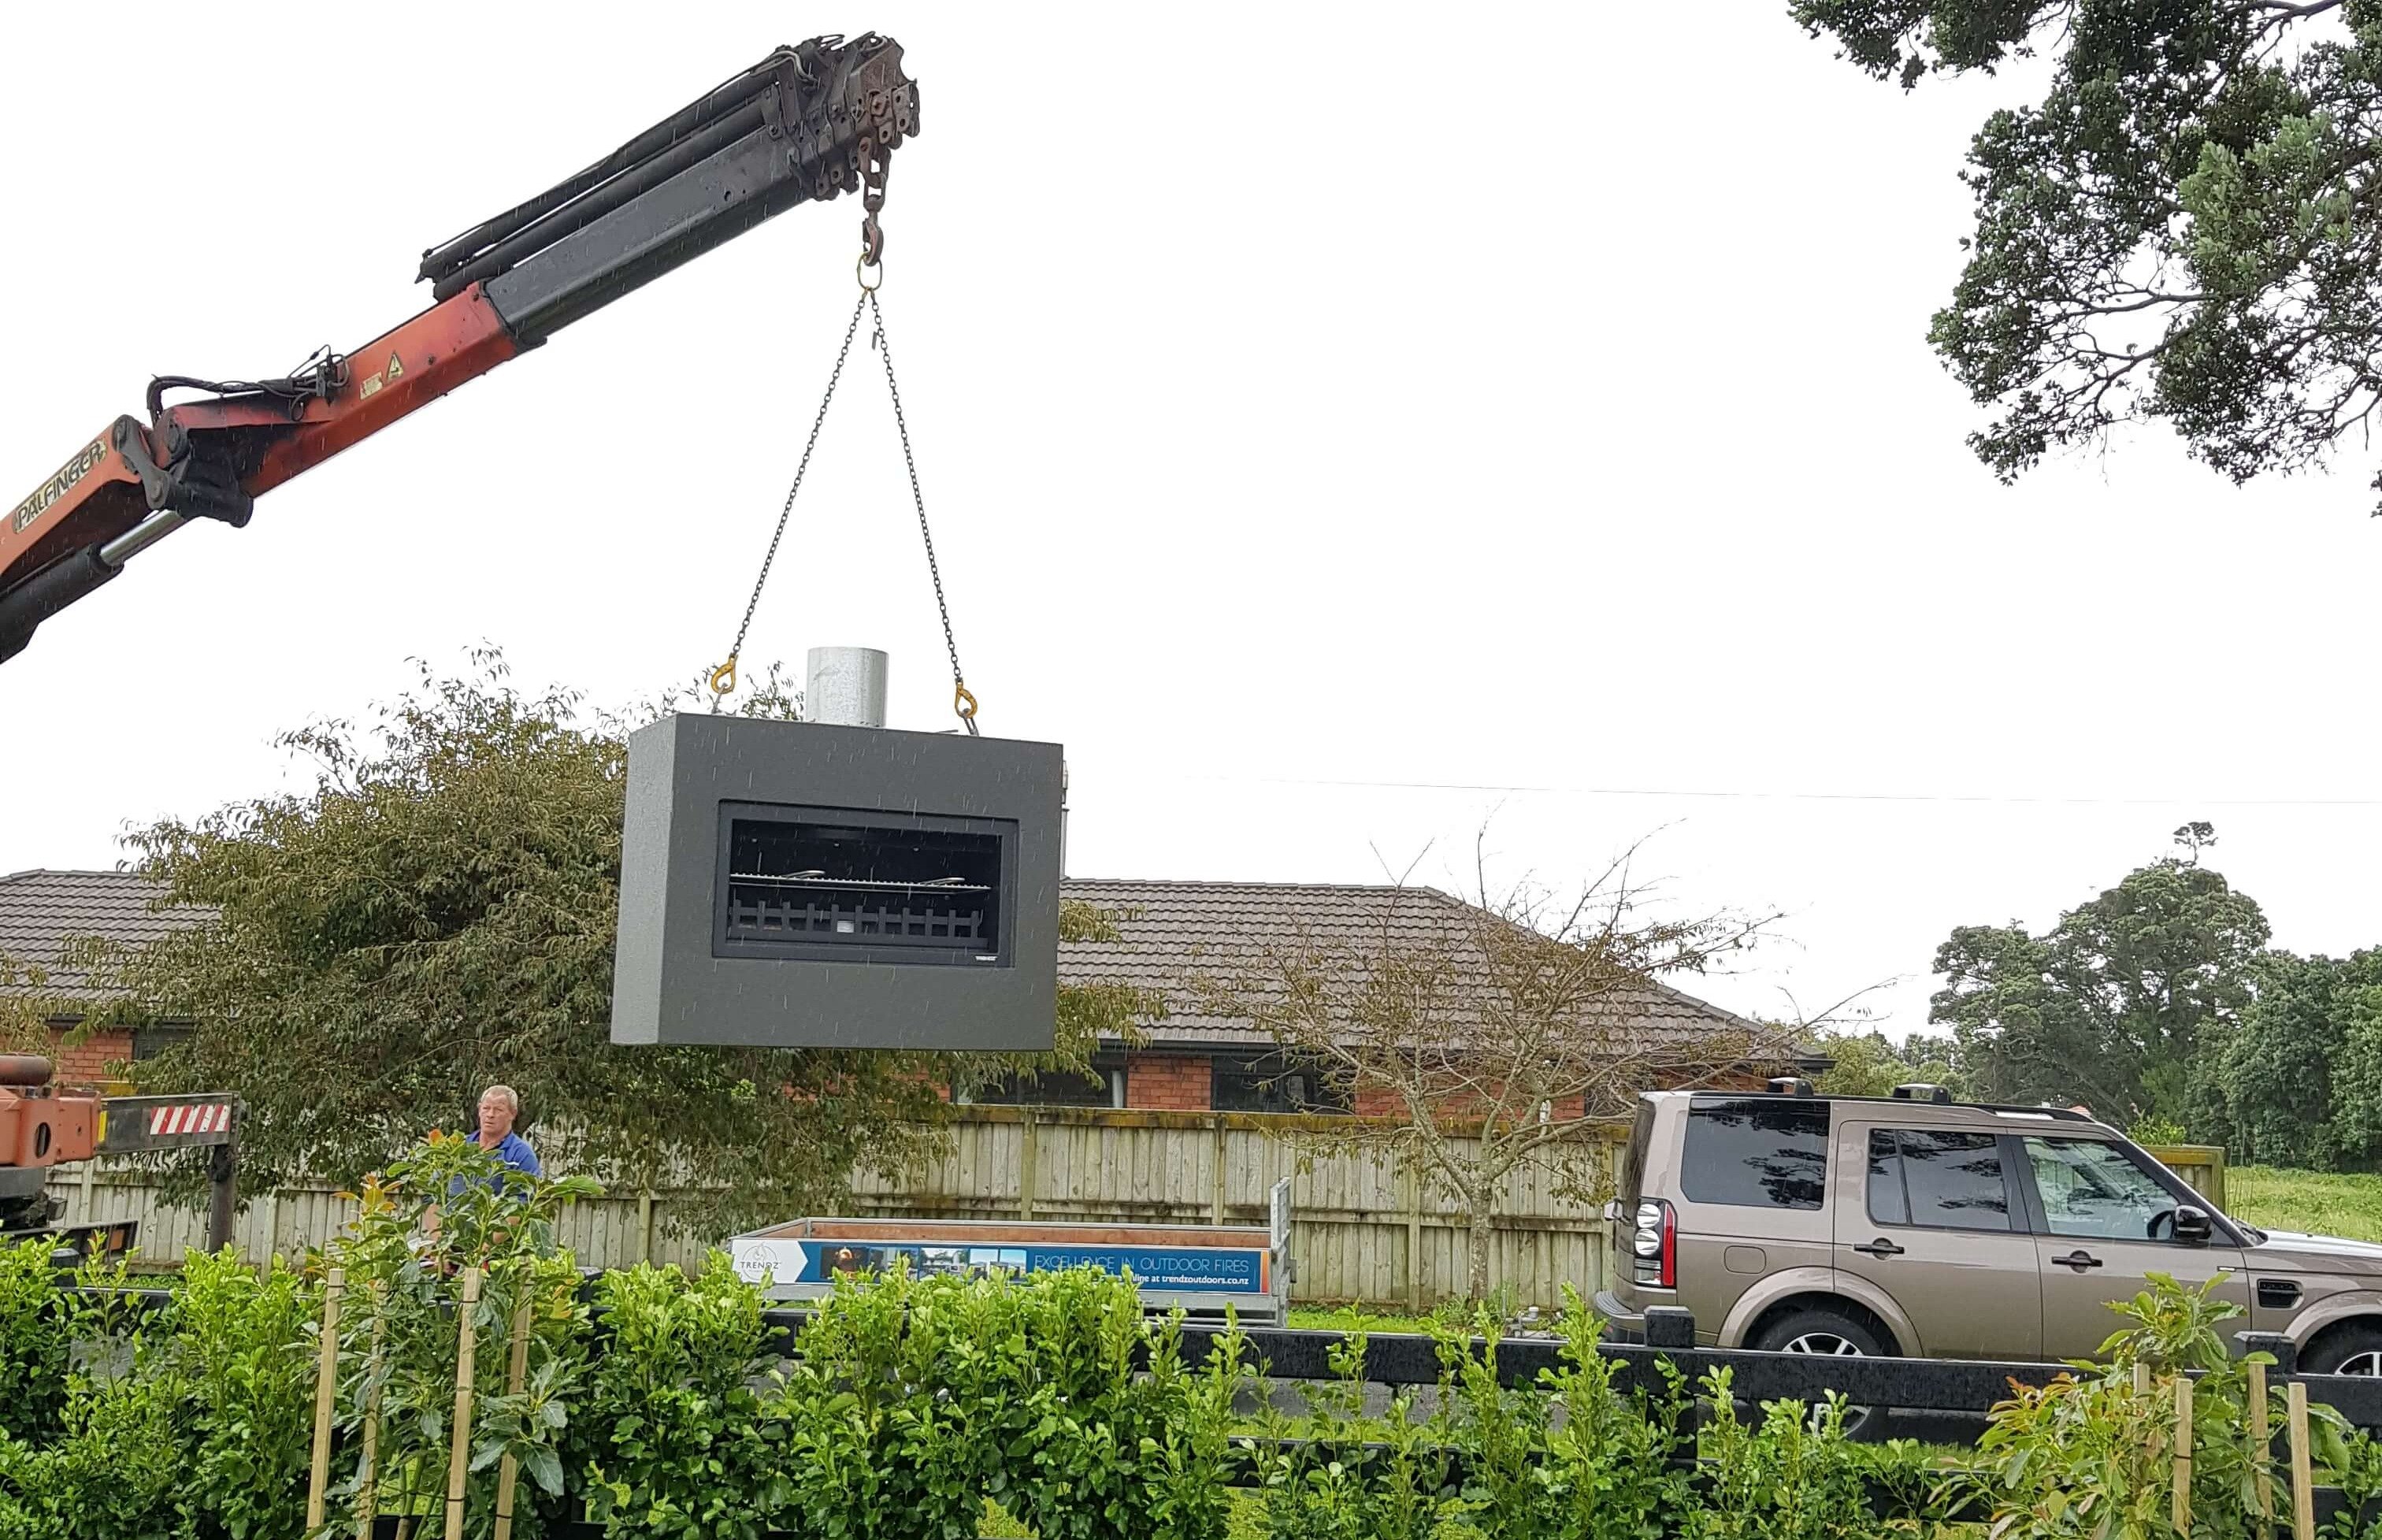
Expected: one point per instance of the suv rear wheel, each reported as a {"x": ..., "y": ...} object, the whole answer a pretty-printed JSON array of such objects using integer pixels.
[
  {"x": 1828, "y": 1334},
  {"x": 2354, "y": 1349}
]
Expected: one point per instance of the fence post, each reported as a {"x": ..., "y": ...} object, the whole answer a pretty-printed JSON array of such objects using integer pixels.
[
  {"x": 2262, "y": 1446},
  {"x": 368, "y": 1463},
  {"x": 326, "y": 1391},
  {"x": 2302, "y": 1474},
  {"x": 516, "y": 1376},
  {"x": 223, "y": 1188},
  {"x": 2181, "y": 1506},
  {"x": 459, "y": 1461},
  {"x": 644, "y": 1227},
  {"x": 1412, "y": 1178},
  {"x": 1219, "y": 1217},
  {"x": 1027, "y": 1160}
]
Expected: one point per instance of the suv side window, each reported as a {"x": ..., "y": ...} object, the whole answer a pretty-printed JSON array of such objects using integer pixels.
[
  {"x": 2090, "y": 1188},
  {"x": 1937, "y": 1178},
  {"x": 1632, "y": 1183},
  {"x": 1760, "y": 1152}
]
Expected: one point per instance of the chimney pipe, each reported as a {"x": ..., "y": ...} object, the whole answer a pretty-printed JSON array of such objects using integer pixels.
[{"x": 845, "y": 686}]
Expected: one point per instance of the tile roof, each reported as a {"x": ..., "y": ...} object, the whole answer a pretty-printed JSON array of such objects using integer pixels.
[
  {"x": 40, "y": 910},
  {"x": 1175, "y": 930},
  {"x": 1170, "y": 931}
]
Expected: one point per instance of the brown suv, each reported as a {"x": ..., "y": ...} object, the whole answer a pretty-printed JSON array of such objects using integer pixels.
[{"x": 1916, "y": 1225}]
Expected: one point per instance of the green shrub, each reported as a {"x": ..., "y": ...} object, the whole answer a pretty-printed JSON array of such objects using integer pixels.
[
  {"x": 32, "y": 1345},
  {"x": 239, "y": 1349},
  {"x": 673, "y": 1439},
  {"x": 1353, "y": 1477},
  {"x": 910, "y": 1405},
  {"x": 400, "y": 1334},
  {"x": 116, "y": 1471},
  {"x": 1613, "y": 1470},
  {"x": 1791, "y": 1476}
]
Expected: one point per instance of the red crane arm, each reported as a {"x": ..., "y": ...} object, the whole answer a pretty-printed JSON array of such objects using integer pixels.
[{"x": 805, "y": 124}]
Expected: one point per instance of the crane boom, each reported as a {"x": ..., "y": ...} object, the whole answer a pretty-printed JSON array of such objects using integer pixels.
[{"x": 806, "y": 123}]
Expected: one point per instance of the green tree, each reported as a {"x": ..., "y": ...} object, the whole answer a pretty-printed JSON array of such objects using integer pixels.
[
  {"x": 2182, "y": 230},
  {"x": 1868, "y": 1064},
  {"x": 436, "y": 912},
  {"x": 1489, "y": 1036},
  {"x": 2127, "y": 1004},
  {"x": 2302, "y": 1083}
]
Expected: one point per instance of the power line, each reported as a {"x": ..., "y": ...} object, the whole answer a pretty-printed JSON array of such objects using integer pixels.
[{"x": 1952, "y": 797}]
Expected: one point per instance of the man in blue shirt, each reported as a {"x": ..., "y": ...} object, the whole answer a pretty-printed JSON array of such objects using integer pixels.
[{"x": 499, "y": 1110}]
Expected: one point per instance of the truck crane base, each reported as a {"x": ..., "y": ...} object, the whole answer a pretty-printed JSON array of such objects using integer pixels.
[{"x": 44, "y": 1126}]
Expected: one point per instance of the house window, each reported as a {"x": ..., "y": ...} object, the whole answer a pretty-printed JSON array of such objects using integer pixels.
[
  {"x": 150, "y": 1041},
  {"x": 1271, "y": 1084},
  {"x": 1101, "y": 1088}
]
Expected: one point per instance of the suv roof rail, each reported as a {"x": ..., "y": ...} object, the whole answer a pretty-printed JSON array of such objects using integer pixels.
[
  {"x": 1922, "y": 1091},
  {"x": 1796, "y": 1085}
]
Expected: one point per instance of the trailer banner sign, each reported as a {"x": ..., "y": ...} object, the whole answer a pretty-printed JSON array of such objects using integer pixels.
[{"x": 1203, "y": 1269}]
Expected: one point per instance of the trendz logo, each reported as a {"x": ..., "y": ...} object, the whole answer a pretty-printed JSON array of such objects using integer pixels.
[{"x": 50, "y": 491}]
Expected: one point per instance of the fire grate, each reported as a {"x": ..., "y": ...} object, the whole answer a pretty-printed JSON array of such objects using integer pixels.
[{"x": 824, "y": 879}]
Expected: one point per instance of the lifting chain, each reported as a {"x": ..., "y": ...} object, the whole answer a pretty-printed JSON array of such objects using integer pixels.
[
  {"x": 723, "y": 678},
  {"x": 962, "y": 701}
]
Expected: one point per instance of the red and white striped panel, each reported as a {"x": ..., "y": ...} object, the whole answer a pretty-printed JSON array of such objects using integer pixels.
[{"x": 192, "y": 1118}]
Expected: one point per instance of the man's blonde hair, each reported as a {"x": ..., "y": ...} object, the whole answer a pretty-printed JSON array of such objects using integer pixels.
[{"x": 512, "y": 1097}]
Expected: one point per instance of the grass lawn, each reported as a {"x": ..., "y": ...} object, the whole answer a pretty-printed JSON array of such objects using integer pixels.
[
  {"x": 2348, "y": 1206},
  {"x": 1353, "y": 1318}
]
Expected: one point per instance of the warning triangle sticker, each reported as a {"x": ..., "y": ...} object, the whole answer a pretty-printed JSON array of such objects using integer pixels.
[{"x": 395, "y": 368}]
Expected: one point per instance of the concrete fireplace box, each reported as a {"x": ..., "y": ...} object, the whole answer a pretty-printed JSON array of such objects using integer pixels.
[{"x": 807, "y": 885}]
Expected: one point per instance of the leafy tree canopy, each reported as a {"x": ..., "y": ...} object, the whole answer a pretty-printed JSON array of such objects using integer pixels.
[
  {"x": 2113, "y": 1004},
  {"x": 2302, "y": 1084},
  {"x": 1868, "y": 1064},
  {"x": 2182, "y": 230},
  {"x": 435, "y": 914}
]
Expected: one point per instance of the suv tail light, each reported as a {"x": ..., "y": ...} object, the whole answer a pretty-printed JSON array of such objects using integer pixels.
[{"x": 1654, "y": 1244}]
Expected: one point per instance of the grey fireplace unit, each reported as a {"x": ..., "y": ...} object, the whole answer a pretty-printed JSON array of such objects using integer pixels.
[{"x": 806, "y": 885}]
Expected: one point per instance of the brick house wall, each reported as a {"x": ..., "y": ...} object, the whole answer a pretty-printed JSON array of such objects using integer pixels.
[
  {"x": 87, "y": 1063},
  {"x": 1169, "y": 1082}
]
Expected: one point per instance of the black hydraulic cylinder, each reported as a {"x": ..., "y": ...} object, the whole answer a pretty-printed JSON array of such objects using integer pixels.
[{"x": 45, "y": 593}]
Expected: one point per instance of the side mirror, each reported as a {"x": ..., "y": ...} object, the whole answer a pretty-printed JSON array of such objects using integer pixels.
[{"x": 2192, "y": 1226}]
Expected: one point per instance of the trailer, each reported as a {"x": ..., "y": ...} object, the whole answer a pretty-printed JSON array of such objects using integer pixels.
[{"x": 1201, "y": 1269}]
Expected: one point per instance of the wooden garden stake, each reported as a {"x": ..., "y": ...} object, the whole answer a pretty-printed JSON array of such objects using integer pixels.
[
  {"x": 2181, "y": 1508},
  {"x": 2154, "y": 1444},
  {"x": 2261, "y": 1444},
  {"x": 459, "y": 1463},
  {"x": 326, "y": 1393},
  {"x": 516, "y": 1376},
  {"x": 2303, "y": 1471},
  {"x": 368, "y": 1469}
]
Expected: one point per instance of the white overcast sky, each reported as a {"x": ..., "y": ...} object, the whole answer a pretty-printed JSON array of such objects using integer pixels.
[{"x": 1343, "y": 428}]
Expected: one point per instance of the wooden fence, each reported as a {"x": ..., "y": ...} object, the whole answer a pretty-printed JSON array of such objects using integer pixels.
[
  {"x": 1363, "y": 1229},
  {"x": 2203, "y": 1166}
]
